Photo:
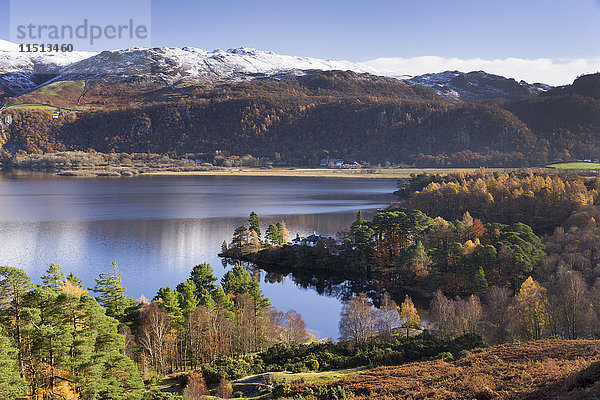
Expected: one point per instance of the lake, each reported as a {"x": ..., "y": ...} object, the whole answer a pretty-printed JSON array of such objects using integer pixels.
[{"x": 158, "y": 228}]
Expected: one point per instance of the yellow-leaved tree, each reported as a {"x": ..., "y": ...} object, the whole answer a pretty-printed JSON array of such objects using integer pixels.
[
  {"x": 533, "y": 311},
  {"x": 409, "y": 316}
]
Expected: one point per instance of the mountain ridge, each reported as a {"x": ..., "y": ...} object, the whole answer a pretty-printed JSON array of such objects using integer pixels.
[{"x": 21, "y": 73}]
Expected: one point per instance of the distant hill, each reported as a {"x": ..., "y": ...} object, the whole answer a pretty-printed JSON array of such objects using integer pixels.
[
  {"x": 551, "y": 369},
  {"x": 478, "y": 85},
  {"x": 566, "y": 119}
]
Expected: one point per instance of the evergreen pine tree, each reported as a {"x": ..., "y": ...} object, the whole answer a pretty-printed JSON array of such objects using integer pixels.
[
  {"x": 103, "y": 372},
  {"x": 170, "y": 302},
  {"x": 220, "y": 298},
  {"x": 239, "y": 281},
  {"x": 480, "y": 283},
  {"x": 54, "y": 277},
  {"x": 14, "y": 285},
  {"x": 112, "y": 293},
  {"x": 75, "y": 281},
  {"x": 188, "y": 301},
  {"x": 254, "y": 223},
  {"x": 203, "y": 277},
  {"x": 11, "y": 385}
]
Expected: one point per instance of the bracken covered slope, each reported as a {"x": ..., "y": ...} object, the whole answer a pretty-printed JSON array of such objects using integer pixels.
[{"x": 551, "y": 369}]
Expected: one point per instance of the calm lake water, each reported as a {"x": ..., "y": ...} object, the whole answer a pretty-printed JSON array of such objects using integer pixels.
[{"x": 158, "y": 228}]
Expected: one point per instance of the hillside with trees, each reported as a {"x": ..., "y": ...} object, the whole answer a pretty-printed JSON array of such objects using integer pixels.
[
  {"x": 299, "y": 120},
  {"x": 537, "y": 198}
]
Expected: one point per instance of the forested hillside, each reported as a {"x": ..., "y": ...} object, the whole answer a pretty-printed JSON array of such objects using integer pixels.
[{"x": 299, "y": 120}]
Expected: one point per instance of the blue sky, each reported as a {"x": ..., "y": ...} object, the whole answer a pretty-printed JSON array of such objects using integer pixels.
[{"x": 366, "y": 30}]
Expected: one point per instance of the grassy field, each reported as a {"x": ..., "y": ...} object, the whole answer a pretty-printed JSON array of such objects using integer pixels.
[
  {"x": 575, "y": 165},
  {"x": 34, "y": 106},
  {"x": 258, "y": 386}
]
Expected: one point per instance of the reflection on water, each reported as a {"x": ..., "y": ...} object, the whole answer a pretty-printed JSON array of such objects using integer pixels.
[{"x": 159, "y": 228}]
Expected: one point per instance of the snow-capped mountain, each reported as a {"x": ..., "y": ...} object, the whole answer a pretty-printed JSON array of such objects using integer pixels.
[
  {"x": 477, "y": 85},
  {"x": 174, "y": 64},
  {"x": 23, "y": 72},
  {"x": 20, "y": 71}
]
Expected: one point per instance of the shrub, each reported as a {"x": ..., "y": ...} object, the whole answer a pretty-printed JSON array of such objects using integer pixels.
[
  {"x": 312, "y": 365},
  {"x": 156, "y": 394},
  {"x": 463, "y": 353},
  {"x": 281, "y": 390},
  {"x": 445, "y": 355},
  {"x": 324, "y": 392}
]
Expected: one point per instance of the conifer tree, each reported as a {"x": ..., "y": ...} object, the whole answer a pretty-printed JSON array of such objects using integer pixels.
[
  {"x": 254, "y": 223},
  {"x": 103, "y": 372},
  {"x": 14, "y": 285},
  {"x": 53, "y": 278},
  {"x": 112, "y": 293},
  {"x": 170, "y": 302},
  {"x": 203, "y": 277},
  {"x": 273, "y": 235},
  {"x": 240, "y": 238},
  {"x": 239, "y": 281},
  {"x": 188, "y": 301},
  {"x": 221, "y": 299},
  {"x": 11, "y": 384},
  {"x": 75, "y": 281},
  {"x": 206, "y": 300},
  {"x": 283, "y": 232}
]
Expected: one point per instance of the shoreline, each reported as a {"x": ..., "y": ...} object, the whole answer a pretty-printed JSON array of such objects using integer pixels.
[{"x": 291, "y": 172}]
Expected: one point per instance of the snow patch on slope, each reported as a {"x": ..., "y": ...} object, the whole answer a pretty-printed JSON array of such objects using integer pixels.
[{"x": 174, "y": 64}]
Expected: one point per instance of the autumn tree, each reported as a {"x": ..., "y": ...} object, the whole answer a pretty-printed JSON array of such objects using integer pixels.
[
  {"x": 469, "y": 314},
  {"x": 409, "y": 316},
  {"x": 291, "y": 326},
  {"x": 388, "y": 318},
  {"x": 283, "y": 231},
  {"x": 443, "y": 315},
  {"x": 254, "y": 242},
  {"x": 155, "y": 327},
  {"x": 571, "y": 305},
  {"x": 196, "y": 387},
  {"x": 224, "y": 391},
  {"x": 357, "y": 319},
  {"x": 499, "y": 314},
  {"x": 532, "y": 309}
]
